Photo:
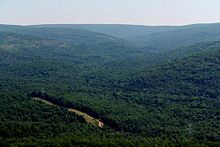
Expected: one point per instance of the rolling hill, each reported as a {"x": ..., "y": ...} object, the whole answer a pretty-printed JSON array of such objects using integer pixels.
[
  {"x": 144, "y": 98},
  {"x": 155, "y": 38}
]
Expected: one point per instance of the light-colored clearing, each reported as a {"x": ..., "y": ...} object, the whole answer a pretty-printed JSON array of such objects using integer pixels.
[
  {"x": 88, "y": 118},
  {"x": 45, "y": 101}
]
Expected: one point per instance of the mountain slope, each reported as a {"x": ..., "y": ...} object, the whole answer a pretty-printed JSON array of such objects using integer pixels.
[
  {"x": 174, "y": 103},
  {"x": 122, "y": 31},
  {"x": 197, "y": 75},
  {"x": 155, "y": 38},
  {"x": 184, "y": 36}
]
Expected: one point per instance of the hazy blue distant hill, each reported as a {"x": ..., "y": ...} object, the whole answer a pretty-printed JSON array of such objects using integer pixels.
[
  {"x": 157, "y": 38},
  {"x": 75, "y": 36},
  {"x": 150, "y": 38},
  {"x": 4, "y": 27},
  {"x": 184, "y": 36},
  {"x": 117, "y": 30}
]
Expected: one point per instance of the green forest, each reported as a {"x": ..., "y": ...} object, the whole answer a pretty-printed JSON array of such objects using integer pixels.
[{"x": 150, "y": 86}]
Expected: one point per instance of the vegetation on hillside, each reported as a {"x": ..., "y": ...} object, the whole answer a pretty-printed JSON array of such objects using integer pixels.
[{"x": 171, "y": 98}]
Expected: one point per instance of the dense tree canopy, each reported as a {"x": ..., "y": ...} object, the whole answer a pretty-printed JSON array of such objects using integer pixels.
[{"x": 144, "y": 98}]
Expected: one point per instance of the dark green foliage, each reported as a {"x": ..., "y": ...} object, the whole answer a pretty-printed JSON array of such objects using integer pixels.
[
  {"x": 141, "y": 100},
  {"x": 197, "y": 75}
]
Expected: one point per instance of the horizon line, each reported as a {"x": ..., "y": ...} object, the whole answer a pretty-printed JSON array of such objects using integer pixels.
[{"x": 162, "y": 25}]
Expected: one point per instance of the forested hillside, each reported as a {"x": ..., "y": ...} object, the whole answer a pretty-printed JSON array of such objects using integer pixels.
[
  {"x": 155, "y": 38},
  {"x": 144, "y": 98}
]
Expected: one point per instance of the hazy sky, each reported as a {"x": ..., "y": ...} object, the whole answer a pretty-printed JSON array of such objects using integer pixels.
[{"x": 147, "y": 12}]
